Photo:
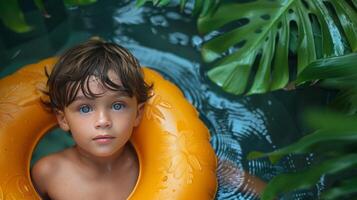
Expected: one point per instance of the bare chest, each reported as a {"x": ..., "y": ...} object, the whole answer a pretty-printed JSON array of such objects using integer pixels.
[{"x": 115, "y": 186}]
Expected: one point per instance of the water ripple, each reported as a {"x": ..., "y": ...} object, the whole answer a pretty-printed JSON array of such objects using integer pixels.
[
  {"x": 129, "y": 14},
  {"x": 178, "y": 38},
  {"x": 159, "y": 20},
  {"x": 176, "y": 69},
  {"x": 167, "y": 41},
  {"x": 236, "y": 125}
]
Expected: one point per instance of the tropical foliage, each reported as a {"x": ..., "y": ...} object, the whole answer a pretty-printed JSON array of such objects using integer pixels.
[
  {"x": 266, "y": 33},
  {"x": 258, "y": 46},
  {"x": 272, "y": 30},
  {"x": 12, "y": 16},
  {"x": 335, "y": 137}
]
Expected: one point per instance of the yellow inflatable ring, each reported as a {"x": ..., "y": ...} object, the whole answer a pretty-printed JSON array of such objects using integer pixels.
[{"x": 175, "y": 156}]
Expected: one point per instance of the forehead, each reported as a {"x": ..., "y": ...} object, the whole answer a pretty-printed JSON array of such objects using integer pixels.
[
  {"x": 111, "y": 75},
  {"x": 95, "y": 84}
]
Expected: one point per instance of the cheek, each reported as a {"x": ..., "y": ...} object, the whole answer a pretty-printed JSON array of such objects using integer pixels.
[
  {"x": 79, "y": 124},
  {"x": 81, "y": 133},
  {"x": 79, "y": 118},
  {"x": 124, "y": 124}
]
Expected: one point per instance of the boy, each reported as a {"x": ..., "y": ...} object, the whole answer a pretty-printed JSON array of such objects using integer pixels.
[{"x": 97, "y": 93}]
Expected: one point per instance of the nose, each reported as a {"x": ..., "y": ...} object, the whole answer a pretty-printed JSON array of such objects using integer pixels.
[{"x": 103, "y": 120}]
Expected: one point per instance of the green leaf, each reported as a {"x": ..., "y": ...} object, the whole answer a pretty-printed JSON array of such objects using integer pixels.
[
  {"x": 41, "y": 7},
  {"x": 340, "y": 82},
  {"x": 208, "y": 7},
  {"x": 321, "y": 140},
  {"x": 308, "y": 178},
  {"x": 332, "y": 121},
  {"x": 78, "y": 2},
  {"x": 182, "y": 4},
  {"x": 347, "y": 187},
  {"x": 354, "y": 2},
  {"x": 139, "y": 3},
  {"x": 336, "y": 135},
  {"x": 334, "y": 67},
  {"x": 280, "y": 74},
  {"x": 346, "y": 101},
  {"x": 229, "y": 71},
  {"x": 333, "y": 127},
  {"x": 337, "y": 72},
  {"x": 162, "y": 2},
  {"x": 267, "y": 34},
  {"x": 12, "y": 16},
  {"x": 347, "y": 18}
]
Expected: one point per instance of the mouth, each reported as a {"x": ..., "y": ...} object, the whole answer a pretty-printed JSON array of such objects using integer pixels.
[{"x": 103, "y": 138}]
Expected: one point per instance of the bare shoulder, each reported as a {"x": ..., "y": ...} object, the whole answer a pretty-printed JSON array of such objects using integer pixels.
[
  {"x": 46, "y": 169},
  {"x": 45, "y": 166}
]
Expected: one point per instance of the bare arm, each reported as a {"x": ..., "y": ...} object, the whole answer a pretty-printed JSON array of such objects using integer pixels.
[
  {"x": 242, "y": 180},
  {"x": 254, "y": 183},
  {"x": 41, "y": 172}
]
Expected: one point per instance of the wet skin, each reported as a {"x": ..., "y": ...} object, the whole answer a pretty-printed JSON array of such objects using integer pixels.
[{"x": 101, "y": 165}]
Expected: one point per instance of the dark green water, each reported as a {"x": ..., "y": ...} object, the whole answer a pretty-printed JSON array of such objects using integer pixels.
[{"x": 166, "y": 40}]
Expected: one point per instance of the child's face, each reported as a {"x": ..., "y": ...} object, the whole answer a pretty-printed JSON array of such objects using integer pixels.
[{"x": 101, "y": 126}]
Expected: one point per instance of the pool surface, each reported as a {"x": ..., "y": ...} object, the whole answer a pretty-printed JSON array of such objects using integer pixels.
[{"x": 166, "y": 40}]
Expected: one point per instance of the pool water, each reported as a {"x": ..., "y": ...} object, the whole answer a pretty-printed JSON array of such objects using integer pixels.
[{"x": 166, "y": 40}]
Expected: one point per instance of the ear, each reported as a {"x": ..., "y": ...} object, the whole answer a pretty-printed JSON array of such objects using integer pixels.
[
  {"x": 139, "y": 114},
  {"x": 61, "y": 119}
]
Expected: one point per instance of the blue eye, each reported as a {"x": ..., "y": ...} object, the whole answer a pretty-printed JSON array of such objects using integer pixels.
[
  {"x": 117, "y": 106},
  {"x": 85, "y": 109}
]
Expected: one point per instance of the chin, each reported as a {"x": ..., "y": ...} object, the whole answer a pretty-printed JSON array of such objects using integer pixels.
[{"x": 105, "y": 153}]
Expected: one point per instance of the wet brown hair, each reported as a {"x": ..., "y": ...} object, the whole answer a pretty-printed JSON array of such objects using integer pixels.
[{"x": 95, "y": 58}]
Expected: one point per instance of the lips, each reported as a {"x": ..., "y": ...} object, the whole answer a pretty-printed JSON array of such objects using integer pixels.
[
  {"x": 99, "y": 137},
  {"x": 103, "y": 139}
]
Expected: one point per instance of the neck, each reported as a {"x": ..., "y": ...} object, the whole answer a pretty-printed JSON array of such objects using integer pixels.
[{"x": 101, "y": 164}]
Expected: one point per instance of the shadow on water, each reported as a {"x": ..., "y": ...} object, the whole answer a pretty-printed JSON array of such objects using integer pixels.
[{"x": 166, "y": 40}]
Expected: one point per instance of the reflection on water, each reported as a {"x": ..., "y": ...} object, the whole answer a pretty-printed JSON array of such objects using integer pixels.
[{"x": 167, "y": 41}]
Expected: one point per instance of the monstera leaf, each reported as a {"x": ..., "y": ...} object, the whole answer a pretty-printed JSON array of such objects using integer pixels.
[
  {"x": 257, "y": 54},
  {"x": 268, "y": 33}
]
